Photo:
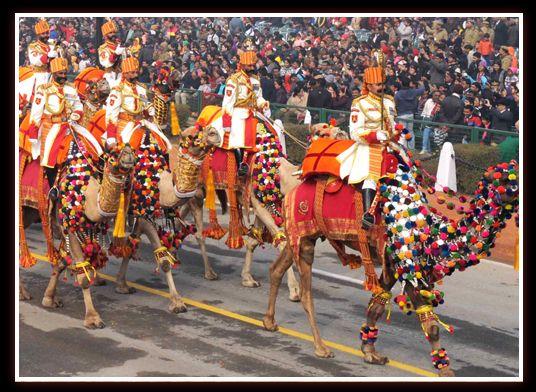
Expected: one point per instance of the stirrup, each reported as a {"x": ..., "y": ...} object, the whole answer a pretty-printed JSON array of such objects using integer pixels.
[
  {"x": 368, "y": 221},
  {"x": 53, "y": 193},
  {"x": 243, "y": 169}
]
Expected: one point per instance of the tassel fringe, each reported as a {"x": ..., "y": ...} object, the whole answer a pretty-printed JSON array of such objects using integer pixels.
[
  {"x": 26, "y": 260},
  {"x": 234, "y": 240},
  {"x": 175, "y": 126}
]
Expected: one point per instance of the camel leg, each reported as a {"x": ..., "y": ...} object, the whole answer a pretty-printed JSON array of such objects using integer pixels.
[
  {"x": 92, "y": 318},
  {"x": 374, "y": 312},
  {"x": 24, "y": 294},
  {"x": 247, "y": 279},
  {"x": 277, "y": 270},
  {"x": 196, "y": 206},
  {"x": 50, "y": 299},
  {"x": 293, "y": 285},
  {"x": 305, "y": 262},
  {"x": 262, "y": 215},
  {"x": 431, "y": 327},
  {"x": 121, "y": 278},
  {"x": 176, "y": 304}
]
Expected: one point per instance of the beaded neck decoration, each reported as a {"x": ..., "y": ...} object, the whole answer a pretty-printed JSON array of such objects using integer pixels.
[
  {"x": 266, "y": 180},
  {"x": 425, "y": 246},
  {"x": 150, "y": 162},
  {"x": 145, "y": 201},
  {"x": 72, "y": 186}
]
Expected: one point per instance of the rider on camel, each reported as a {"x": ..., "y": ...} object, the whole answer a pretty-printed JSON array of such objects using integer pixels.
[
  {"x": 40, "y": 53},
  {"x": 371, "y": 129},
  {"x": 242, "y": 97},
  {"x": 55, "y": 111},
  {"x": 128, "y": 112},
  {"x": 110, "y": 53}
]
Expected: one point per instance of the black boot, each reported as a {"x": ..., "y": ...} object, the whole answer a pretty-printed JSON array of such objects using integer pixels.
[
  {"x": 243, "y": 167},
  {"x": 368, "y": 197},
  {"x": 51, "y": 173}
]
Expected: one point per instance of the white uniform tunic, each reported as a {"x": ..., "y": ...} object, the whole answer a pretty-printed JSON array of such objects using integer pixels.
[
  {"x": 365, "y": 122},
  {"x": 243, "y": 95}
]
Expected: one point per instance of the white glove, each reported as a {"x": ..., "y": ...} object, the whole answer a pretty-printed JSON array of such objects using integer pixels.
[
  {"x": 74, "y": 116},
  {"x": 381, "y": 136},
  {"x": 151, "y": 111},
  {"x": 119, "y": 50},
  {"x": 52, "y": 54},
  {"x": 111, "y": 142}
]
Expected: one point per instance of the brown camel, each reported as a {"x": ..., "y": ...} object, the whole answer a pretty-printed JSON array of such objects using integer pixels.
[
  {"x": 263, "y": 220},
  {"x": 174, "y": 190},
  {"x": 100, "y": 203},
  {"x": 494, "y": 202}
]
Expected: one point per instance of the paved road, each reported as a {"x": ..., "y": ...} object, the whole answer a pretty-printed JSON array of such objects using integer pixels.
[{"x": 142, "y": 338}]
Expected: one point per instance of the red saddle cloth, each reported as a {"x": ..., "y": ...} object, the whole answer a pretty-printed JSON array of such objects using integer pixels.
[
  {"x": 321, "y": 157},
  {"x": 29, "y": 185},
  {"x": 335, "y": 216}
]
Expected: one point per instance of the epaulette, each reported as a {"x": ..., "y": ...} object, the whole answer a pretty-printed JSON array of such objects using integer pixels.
[
  {"x": 38, "y": 44},
  {"x": 356, "y": 100},
  {"x": 389, "y": 97},
  {"x": 47, "y": 86},
  {"x": 104, "y": 46}
]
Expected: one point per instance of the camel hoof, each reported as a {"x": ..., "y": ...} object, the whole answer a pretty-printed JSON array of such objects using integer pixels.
[
  {"x": 49, "y": 302},
  {"x": 125, "y": 290},
  {"x": 99, "y": 282},
  {"x": 446, "y": 372},
  {"x": 24, "y": 295},
  {"x": 375, "y": 359},
  {"x": 94, "y": 324},
  {"x": 250, "y": 282},
  {"x": 324, "y": 352},
  {"x": 294, "y": 296},
  {"x": 177, "y": 308},
  {"x": 211, "y": 275},
  {"x": 269, "y": 324}
]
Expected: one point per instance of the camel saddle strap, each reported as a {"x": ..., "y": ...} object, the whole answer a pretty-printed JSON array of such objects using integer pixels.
[
  {"x": 371, "y": 279},
  {"x": 319, "y": 202}
]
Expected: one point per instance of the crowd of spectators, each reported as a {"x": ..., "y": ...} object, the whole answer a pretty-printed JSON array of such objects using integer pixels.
[{"x": 449, "y": 69}]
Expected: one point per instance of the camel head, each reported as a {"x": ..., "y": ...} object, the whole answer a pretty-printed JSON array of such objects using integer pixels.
[
  {"x": 199, "y": 140},
  {"x": 324, "y": 130},
  {"x": 98, "y": 91},
  {"x": 122, "y": 159}
]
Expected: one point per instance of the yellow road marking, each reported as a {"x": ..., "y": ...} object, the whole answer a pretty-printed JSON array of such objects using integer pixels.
[{"x": 286, "y": 331}]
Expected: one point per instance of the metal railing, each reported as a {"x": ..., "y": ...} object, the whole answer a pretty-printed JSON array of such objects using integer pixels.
[
  {"x": 289, "y": 114},
  {"x": 295, "y": 115}
]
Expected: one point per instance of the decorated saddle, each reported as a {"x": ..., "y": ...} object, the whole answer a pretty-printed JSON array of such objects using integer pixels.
[
  {"x": 321, "y": 158},
  {"x": 329, "y": 207}
]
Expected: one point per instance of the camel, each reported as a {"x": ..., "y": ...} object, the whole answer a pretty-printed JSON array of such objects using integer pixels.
[
  {"x": 263, "y": 220},
  {"x": 82, "y": 212},
  {"x": 463, "y": 242},
  {"x": 171, "y": 191}
]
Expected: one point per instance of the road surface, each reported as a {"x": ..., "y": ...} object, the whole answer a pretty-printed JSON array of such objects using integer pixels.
[{"x": 220, "y": 335}]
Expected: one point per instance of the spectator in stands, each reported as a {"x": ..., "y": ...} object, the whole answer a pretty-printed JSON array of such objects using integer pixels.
[
  {"x": 407, "y": 100},
  {"x": 429, "y": 112},
  {"x": 501, "y": 118}
]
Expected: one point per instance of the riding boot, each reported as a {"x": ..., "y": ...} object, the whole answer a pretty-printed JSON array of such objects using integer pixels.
[
  {"x": 243, "y": 167},
  {"x": 51, "y": 173},
  {"x": 368, "y": 197}
]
